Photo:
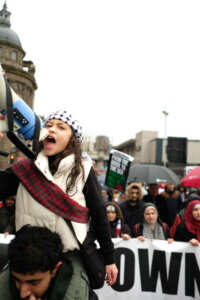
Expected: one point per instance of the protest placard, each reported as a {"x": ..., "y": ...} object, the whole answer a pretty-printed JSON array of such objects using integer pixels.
[{"x": 118, "y": 169}]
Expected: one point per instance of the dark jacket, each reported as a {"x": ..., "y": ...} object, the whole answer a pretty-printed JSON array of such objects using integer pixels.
[
  {"x": 174, "y": 204},
  {"x": 182, "y": 234},
  {"x": 131, "y": 213},
  {"x": 7, "y": 220},
  {"x": 124, "y": 228}
]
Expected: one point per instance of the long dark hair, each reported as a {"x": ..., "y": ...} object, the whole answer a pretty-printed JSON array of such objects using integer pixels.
[
  {"x": 74, "y": 147},
  {"x": 119, "y": 214}
]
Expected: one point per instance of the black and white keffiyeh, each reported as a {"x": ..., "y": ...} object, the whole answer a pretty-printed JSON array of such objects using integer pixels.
[{"x": 64, "y": 116}]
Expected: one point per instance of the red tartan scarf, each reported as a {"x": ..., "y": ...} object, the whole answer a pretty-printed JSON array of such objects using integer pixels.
[{"x": 49, "y": 194}]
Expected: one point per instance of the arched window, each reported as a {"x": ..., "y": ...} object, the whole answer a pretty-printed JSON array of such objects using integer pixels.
[{"x": 14, "y": 55}]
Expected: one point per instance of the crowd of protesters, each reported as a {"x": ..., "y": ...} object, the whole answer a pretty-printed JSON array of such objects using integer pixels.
[
  {"x": 165, "y": 212},
  {"x": 169, "y": 212}
]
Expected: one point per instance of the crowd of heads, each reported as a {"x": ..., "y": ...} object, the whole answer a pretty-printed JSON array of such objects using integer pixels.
[{"x": 154, "y": 202}]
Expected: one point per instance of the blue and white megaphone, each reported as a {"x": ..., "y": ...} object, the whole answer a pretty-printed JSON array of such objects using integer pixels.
[{"x": 20, "y": 122}]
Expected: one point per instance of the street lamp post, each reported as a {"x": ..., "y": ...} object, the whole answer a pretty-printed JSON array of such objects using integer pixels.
[{"x": 165, "y": 113}]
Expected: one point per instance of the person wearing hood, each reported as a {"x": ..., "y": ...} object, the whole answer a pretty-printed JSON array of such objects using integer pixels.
[
  {"x": 7, "y": 216},
  {"x": 131, "y": 207},
  {"x": 189, "y": 229},
  {"x": 151, "y": 226}
]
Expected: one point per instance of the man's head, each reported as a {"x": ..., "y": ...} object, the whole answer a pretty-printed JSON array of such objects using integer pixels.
[
  {"x": 9, "y": 203},
  {"x": 134, "y": 191},
  {"x": 170, "y": 188},
  {"x": 34, "y": 259},
  {"x": 153, "y": 189}
]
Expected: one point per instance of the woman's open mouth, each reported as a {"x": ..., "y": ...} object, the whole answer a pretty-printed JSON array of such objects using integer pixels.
[{"x": 49, "y": 142}]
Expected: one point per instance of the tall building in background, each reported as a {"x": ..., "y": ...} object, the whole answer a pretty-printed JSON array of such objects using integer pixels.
[
  {"x": 19, "y": 72},
  {"x": 103, "y": 144}
]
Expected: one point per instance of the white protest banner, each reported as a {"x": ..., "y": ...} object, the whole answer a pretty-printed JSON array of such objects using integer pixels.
[
  {"x": 154, "y": 270},
  {"x": 5, "y": 239}
]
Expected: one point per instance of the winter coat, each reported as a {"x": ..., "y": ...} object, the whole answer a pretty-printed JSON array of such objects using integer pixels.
[
  {"x": 57, "y": 290},
  {"x": 7, "y": 220},
  {"x": 124, "y": 228},
  {"x": 182, "y": 234},
  {"x": 173, "y": 204},
  {"x": 138, "y": 229},
  {"x": 29, "y": 211},
  {"x": 131, "y": 213}
]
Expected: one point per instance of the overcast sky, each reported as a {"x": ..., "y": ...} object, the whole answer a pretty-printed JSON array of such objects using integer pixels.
[{"x": 116, "y": 65}]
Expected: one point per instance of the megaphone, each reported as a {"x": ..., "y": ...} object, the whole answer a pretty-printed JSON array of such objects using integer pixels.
[{"x": 20, "y": 122}]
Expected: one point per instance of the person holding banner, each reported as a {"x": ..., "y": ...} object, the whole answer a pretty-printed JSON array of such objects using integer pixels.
[
  {"x": 151, "y": 226},
  {"x": 116, "y": 221},
  {"x": 189, "y": 229},
  {"x": 131, "y": 208},
  {"x": 61, "y": 184}
]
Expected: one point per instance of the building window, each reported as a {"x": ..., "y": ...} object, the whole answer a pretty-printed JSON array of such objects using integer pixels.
[
  {"x": 14, "y": 55},
  {"x": 1, "y": 51}
]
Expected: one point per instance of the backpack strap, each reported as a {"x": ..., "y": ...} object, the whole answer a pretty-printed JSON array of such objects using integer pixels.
[
  {"x": 164, "y": 226},
  {"x": 165, "y": 229},
  {"x": 137, "y": 228}
]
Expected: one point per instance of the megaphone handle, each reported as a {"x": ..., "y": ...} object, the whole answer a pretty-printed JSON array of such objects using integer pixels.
[
  {"x": 9, "y": 107},
  {"x": 36, "y": 134}
]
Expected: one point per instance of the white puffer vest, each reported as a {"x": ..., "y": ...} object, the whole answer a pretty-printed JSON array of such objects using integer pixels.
[{"x": 29, "y": 211}]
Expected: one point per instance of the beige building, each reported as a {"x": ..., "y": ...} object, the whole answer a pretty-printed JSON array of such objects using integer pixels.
[
  {"x": 142, "y": 141},
  {"x": 99, "y": 150},
  {"x": 19, "y": 72},
  {"x": 147, "y": 148},
  {"x": 193, "y": 152},
  {"x": 127, "y": 147}
]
